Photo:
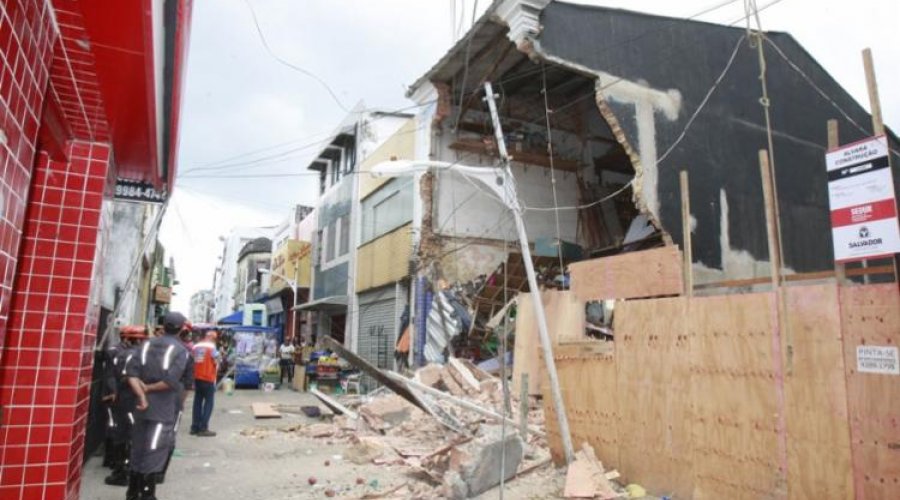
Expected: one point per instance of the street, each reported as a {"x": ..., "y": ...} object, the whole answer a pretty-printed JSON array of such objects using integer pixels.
[
  {"x": 252, "y": 458},
  {"x": 230, "y": 465}
]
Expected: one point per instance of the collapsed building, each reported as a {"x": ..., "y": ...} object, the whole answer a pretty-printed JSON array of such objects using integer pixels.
[{"x": 601, "y": 110}]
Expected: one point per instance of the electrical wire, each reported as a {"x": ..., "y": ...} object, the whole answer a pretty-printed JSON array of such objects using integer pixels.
[
  {"x": 709, "y": 93},
  {"x": 552, "y": 169},
  {"x": 310, "y": 74}
]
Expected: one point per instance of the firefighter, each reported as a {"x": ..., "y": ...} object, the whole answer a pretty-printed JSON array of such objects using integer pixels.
[
  {"x": 160, "y": 377},
  {"x": 121, "y": 402},
  {"x": 186, "y": 335}
]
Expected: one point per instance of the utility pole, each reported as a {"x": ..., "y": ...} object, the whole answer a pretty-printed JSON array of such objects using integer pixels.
[{"x": 513, "y": 202}]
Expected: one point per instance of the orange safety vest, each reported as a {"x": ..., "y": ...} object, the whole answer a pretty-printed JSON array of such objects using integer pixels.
[{"x": 205, "y": 361}]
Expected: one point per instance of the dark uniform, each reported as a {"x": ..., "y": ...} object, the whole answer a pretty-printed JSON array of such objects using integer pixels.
[
  {"x": 120, "y": 413},
  {"x": 162, "y": 359}
]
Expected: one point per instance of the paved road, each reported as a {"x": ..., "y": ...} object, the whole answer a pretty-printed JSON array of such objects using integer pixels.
[{"x": 232, "y": 465}]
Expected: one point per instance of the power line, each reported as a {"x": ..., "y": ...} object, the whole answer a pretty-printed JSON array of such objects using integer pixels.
[{"x": 265, "y": 43}]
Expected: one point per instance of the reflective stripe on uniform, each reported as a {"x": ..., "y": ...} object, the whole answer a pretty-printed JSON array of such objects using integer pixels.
[
  {"x": 144, "y": 353},
  {"x": 156, "y": 436},
  {"x": 178, "y": 420},
  {"x": 112, "y": 422},
  {"x": 125, "y": 365},
  {"x": 131, "y": 418},
  {"x": 168, "y": 357}
]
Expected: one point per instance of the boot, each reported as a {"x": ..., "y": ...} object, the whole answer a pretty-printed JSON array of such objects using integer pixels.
[
  {"x": 108, "y": 452},
  {"x": 148, "y": 491},
  {"x": 135, "y": 485},
  {"x": 119, "y": 476}
]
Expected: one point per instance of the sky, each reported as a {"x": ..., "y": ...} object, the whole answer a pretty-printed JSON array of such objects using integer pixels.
[{"x": 244, "y": 113}]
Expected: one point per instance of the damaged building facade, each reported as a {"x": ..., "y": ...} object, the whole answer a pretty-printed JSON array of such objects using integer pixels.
[{"x": 601, "y": 110}]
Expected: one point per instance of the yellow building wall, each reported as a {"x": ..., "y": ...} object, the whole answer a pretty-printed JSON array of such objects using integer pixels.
[
  {"x": 384, "y": 260},
  {"x": 292, "y": 259},
  {"x": 401, "y": 146}
]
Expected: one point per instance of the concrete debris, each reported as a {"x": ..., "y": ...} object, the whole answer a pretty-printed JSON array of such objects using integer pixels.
[
  {"x": 430, "y": 375},
  {"x": 586, "y": 478},
  {"x": 477, "y": 466},
  {"x": 319, "y": 430},
  {"x": 392, "y": 432}
]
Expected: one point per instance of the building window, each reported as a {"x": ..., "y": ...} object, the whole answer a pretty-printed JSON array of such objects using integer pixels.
[
  {"x": 387, "y": 209},
  {"x": 345, "y": 235},
  {"x": 330, "y": 234}
]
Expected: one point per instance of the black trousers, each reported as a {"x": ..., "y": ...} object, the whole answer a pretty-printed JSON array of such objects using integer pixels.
[{"x": 287, "y": 369}]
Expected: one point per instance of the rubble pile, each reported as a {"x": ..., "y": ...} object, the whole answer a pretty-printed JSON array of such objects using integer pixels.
[{"x": 453, "y": 451}]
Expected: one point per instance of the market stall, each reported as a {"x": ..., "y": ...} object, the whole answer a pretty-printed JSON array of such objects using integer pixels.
[{"x": 255, "y": 354}]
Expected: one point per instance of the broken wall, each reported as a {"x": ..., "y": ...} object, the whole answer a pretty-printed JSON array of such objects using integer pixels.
[{"x": 654, "y": 73}]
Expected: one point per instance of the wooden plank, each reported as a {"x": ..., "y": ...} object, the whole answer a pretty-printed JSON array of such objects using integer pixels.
[
  {"x": 526, "y": 350},
  {"x": 264, "y": 410},
  {"x": 652, "y": 353},
  {"x": 333, "y": 404},
  {"x": 797, "y": 277},
  {"x": 833, "y": 143},
  {"x": 565, "y": 323},
  {"x": 733, "y": 389},
  {"x": 649, "y": 273},
  {"x": 686, "y": 247},
  {"x": 588, "y": 381},
  {"x": 819, "y": 463},
  {"x": 870, "y": 315}
]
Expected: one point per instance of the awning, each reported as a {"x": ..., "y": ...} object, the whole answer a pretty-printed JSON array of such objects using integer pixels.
[
  {"x": 335, "y": 303},
  {"x": 235, "y": 318}
]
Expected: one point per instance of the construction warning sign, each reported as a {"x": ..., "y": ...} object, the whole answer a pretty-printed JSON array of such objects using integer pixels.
[{"x": 861, "y": 196}]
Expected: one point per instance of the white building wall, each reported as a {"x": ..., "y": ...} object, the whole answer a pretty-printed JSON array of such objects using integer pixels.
[
  {"x": 131, "y": 223},
  {"x": 226, "y": 278}
]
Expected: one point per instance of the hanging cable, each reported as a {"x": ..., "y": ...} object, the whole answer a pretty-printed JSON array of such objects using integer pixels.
[
  {"x": 709, "y": 93},
  {"x": 552, "y": 169},
  {"x": 310, "y": 74}
]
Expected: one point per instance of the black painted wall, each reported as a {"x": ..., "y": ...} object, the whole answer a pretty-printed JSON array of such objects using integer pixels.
[{"x": 720, "y": 148}]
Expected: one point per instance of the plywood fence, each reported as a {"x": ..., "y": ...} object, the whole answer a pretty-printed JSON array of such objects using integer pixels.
[{"x": 700, "y": 398}]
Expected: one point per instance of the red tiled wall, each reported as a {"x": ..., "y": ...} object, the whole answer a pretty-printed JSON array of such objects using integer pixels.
[
  {"x": 26, "y": 45},
  {"x": 45, "y": 379}
]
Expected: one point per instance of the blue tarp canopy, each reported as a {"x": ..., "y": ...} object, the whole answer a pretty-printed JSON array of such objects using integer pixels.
[
  {"x": 250, "y": 328},
  {"x": 235, "y": 318}
]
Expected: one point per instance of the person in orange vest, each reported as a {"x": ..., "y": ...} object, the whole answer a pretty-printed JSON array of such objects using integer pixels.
[{"x": 206, "y": 358}]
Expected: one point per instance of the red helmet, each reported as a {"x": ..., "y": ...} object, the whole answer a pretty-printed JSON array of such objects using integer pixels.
[{"x": 133, "y": 331}]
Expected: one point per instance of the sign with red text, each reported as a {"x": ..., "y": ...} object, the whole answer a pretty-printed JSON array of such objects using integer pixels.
[{"x": 861, "y": 197}]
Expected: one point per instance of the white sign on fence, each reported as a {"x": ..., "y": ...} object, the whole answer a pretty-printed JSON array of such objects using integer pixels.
[
  {"x": 878, "y": 359},
  {"x": 861, "y": 196}
]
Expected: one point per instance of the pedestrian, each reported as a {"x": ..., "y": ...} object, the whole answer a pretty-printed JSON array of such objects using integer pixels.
[
  {"x": 121, "y": 402},
  {"x": 160, "y": 377},
  {"x": 286, "y": 353},
  {"x": 206, "y": 357}
]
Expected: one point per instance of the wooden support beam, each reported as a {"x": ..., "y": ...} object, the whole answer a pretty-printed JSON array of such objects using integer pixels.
[
  {"x": 872, "y": 86},
  {"x": 687, "y": 250},
  {"x": 834, "y": 143},
  {"x": 877, "y": 122}
]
